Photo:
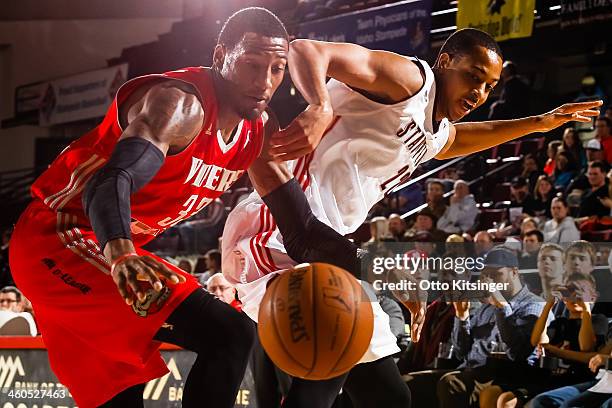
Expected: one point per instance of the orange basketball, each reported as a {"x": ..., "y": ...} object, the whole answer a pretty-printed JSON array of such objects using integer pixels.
[{"x": 315, "y": 321}]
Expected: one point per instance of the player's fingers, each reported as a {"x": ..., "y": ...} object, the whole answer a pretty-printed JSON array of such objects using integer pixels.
[
  {"x": 120, "y": 281},
  {"x": 590, "y": 112},
  {"x": 163, "y": 270},
  {"x": 132, "y": 282},
  {"x": 584, "y": 105},
  {"x": 151, "y": 277}
]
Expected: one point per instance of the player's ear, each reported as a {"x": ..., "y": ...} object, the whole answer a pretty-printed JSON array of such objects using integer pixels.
[
  {"x": 444, "y": 60},
  {"x": 219, "y": 56}
]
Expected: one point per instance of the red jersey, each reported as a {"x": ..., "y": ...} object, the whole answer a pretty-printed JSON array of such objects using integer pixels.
[{"x": 186, "y": 182}]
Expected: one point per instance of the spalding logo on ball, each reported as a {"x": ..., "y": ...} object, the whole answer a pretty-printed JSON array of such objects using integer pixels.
[{"x": 315, "y": 321}]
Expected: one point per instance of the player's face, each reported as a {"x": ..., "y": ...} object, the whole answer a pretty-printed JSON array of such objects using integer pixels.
[
  {"x": 467, "y": 81},
  {"x": 253, "y": 70}
]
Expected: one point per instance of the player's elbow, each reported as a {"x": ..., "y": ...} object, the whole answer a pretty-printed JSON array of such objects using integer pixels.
[{"x": 306, "y": 49}]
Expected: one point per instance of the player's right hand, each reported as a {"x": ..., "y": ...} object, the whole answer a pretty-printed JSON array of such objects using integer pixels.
[
  {"x": 302, "y": 135},
  {"x": 127, "y": 274}
]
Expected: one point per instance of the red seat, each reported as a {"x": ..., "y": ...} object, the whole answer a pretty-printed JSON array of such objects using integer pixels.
[
  {"x": 597, "y": 236},
  {"x": 530, "y": 146}
]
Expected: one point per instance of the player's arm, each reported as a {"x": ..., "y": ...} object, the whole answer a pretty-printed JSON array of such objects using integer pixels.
[
  {"x": 385, "y": 75},
  {"x": 472, "y": 137},
  {"x": 154, "y": 119},
  {"x": 305, "y": 238}
]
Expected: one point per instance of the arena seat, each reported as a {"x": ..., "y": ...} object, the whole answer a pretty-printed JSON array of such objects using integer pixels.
[
  {"x": 501, "y": 192},
  {"x": 489, "y": 216}
]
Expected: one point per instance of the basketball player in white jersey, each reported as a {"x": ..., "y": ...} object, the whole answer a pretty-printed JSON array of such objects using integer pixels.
[{"x": 377, "y": 119}]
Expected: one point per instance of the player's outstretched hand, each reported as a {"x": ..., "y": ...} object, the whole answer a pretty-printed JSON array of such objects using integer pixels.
[
  {"x": 127, "y": 271},
  {"x": 302, "y": 135},
  {"x": 570, "y": 112}
]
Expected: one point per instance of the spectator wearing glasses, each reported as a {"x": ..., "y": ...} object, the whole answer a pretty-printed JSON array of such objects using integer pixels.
[
  {"x": 12, "y": 312},
  {"x": 223, "y": 290}
]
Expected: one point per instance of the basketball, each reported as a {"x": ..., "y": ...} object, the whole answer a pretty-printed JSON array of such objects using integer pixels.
[{"x": 315, "y": 321}]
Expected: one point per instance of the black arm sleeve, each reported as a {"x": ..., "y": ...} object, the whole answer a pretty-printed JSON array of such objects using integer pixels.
[
  {"x": 106, "y": 199},
  {"x": 307, "y": 239}
]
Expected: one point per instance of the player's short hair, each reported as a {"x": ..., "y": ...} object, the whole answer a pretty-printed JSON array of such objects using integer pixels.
[
  {"x": 464, "y": 41},
  {"x": 256, "y": 20}
]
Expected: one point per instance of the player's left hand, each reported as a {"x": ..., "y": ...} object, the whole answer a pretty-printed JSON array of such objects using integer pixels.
[
  {"x": 569, "y": 112},
  {"x": 302, "y": 135}
]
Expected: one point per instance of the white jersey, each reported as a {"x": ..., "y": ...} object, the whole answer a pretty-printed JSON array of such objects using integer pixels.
[{"x": 369, "y": 149}]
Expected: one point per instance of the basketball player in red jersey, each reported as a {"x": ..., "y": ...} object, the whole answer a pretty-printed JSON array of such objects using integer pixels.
[{"x": 169, "y": 145}]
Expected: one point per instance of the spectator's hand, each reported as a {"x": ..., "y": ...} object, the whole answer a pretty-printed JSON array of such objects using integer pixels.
[
  {"x": 417, "y": 318},
  {"x": 606, "y": 201},
  {"x": 302, "y": 135},
  {"x": 128, "y": 272},
  {"x": 556, "y": 294},
  {"x": 569, "y": 112},
  {"x": 462, "y": 309},
  {"x": 597, "y": 361}
]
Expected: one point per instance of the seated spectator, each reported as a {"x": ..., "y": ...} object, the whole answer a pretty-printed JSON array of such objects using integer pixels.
[
  {"x": 425, "y": 222},
  {"x": 378, "y": 229},
  {"x": 519, "y": 192},
  {"x": 576, "y": 333},
  {"x": 223, "y": 290},
  {"x": 551, "y": 152},
  {"x": 565, "y": 170},
  {"x": 550, "y": 269},
  {"x": 397, "y": 229},
  {"x": 483, "y": 243},
  {"x": 435, "y": 198},
  {"x": 13, "y": 319},
  {"x": 561, "y": 228},
  {"x": 185, "y": 265},
  {"x": 462, "y": 211},
  {"x": 591, "y": 200},
  {"x": 507, "y": 317},
  {"x": 530, "y": 171},
  {"x": 579, "y": 258},
  {"x": 538, "y": 205},
  {"x": 213, "y": 265},
  {"x": 580, "y": 183},
  {"x": 603, "y": 129},
  {"x": 406, "y": 199},
  {"x": 573, "y": 146},
  {"x": 532, "y": 241}
]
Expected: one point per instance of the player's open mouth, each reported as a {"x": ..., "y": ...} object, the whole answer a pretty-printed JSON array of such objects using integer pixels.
[{"x": 467, "y": 106}]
